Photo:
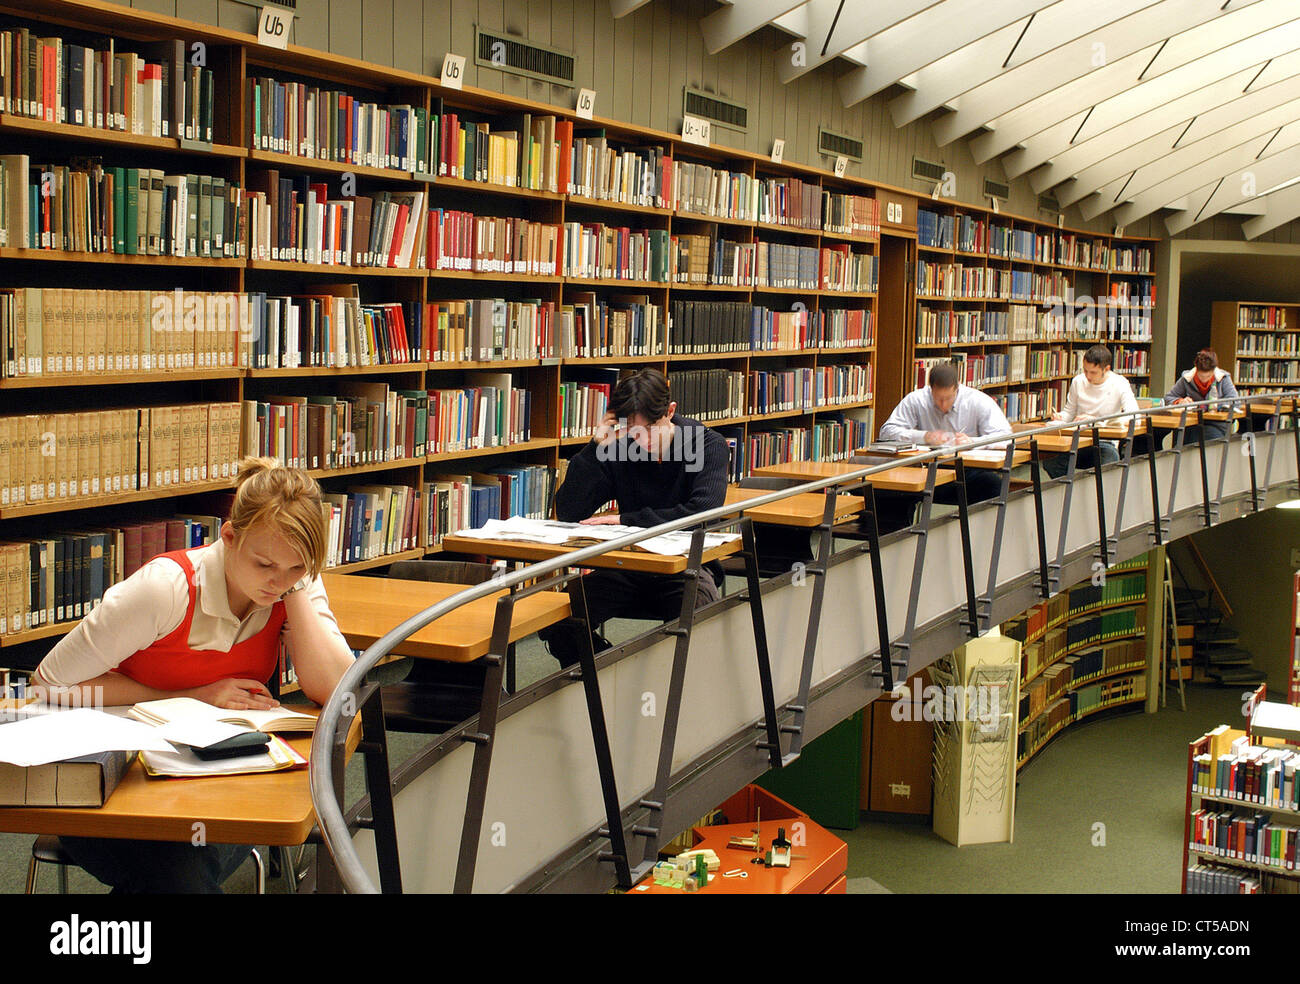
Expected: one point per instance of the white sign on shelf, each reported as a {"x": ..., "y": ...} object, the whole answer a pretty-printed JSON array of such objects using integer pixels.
[
  {"x": 586, "y": 103},
  {"x": 696, "y": 130},
  {"x": 273, "y": 27},
  {"x": 778, "y": 151},
  {"x": 453, "y": 71},
  {"x": 841, "y": 165},
  {"x": 894, "y": 212}
]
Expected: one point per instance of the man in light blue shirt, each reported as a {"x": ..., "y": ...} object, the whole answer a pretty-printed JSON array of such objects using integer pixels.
[{"x": 943, "y": 413}]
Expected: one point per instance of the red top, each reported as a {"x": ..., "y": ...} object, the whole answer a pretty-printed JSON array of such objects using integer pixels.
[{"x": 170, "y": 663}]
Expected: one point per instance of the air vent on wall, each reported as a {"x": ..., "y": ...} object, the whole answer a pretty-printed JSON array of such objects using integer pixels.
[
  {"x": 492, "y": 49},
  {"x": 723, "y": 112},
  {"x": 927, "y": 170},
  {"x": 291, "y": 4},
  {"x": 838, "y": 145},
  {"x": 995, "y": 189},
  {"x": 1049, "y": 203}
]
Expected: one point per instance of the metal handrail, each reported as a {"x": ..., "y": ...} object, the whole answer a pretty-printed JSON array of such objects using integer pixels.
[{"x": 333, "y": 826}]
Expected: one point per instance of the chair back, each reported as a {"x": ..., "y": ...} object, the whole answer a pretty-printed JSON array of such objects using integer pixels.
[{"x": 768, "y": 483}]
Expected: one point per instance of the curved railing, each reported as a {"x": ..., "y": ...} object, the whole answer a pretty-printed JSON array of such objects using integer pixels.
[{"x": 849, "y": 675}]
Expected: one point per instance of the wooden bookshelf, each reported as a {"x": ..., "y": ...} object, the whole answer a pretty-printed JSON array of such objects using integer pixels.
[
  {"x": 1055, "y": 691},
  {"x": 1258, "y": 343}
]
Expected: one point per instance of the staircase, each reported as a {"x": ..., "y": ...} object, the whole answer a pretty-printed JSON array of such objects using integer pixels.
[{"x": 1216, "y": 651}]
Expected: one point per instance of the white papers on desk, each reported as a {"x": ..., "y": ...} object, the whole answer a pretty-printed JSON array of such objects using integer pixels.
[
  {"x": 558, "y": 534},
  {"x": 70, "y": 734}
]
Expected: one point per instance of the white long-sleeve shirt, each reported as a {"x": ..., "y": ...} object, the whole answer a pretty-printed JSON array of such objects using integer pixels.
[
  {"x": 1114, "y": 395},
  {"x": 151, "y": 604},
  {"x": 973, "y": 413}
]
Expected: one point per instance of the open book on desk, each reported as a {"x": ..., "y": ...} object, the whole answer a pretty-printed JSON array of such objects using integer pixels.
[
  {"x": 186, "y": 711},
  {"x": 557, "y": 533}
]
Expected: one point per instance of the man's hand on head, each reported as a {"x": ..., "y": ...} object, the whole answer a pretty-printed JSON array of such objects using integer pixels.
[{"x": 607, "y": 430}]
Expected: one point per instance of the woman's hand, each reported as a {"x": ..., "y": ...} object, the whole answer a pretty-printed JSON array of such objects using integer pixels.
[{"x": 236, "y": 694}]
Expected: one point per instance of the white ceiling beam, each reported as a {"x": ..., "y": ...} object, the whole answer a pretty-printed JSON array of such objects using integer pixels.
[
  {"x": 1189, "y": 61},
  {"x": 1162, "y": 29},
  {"x": 1282, "y": 207},
  {"x": 1235, "y": 161},
  {"x": 944, "y": 81},
  {"x": 728, "y": 25},
  {"x": 834, "y": 25},
  {"x": 922, "y": 40},
  {"x": 1188, "y": 136},
  {"x": 1109, "y": 147},
  {"x": 1239, "y": 189},
  {"x": 1258, "y": 128}
]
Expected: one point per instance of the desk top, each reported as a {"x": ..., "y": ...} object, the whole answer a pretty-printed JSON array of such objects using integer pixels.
[
  {"x": 980, "y": 458},
  {"x": 366, "y": 608},
  {"x": 1267, "y": 406},
  {"x": 624, "y": 560},
  {"x": 803, "y": 510},
  {"x": 1057, "y": 442},
  {"x": 904, "y": 478},
  {"x": 271, "y": 808}
]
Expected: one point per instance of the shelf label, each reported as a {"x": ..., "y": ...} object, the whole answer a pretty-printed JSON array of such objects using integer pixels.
[
  {"x": 778, "y": 151},
  {"x": 841, "y": 165},
  {"x": 696, "y": 130},
  {"x": 273, "y": 28},
  {"x": 453, "y": 71},
  {"x": 586, "y": 103}
]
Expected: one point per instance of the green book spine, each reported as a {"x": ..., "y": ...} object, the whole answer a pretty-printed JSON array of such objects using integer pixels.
[
  {"x": 130, "y": 222},
  {"x": 119, "y": 210}
]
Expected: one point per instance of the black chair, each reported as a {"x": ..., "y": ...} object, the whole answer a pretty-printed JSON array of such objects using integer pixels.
[
  {"x": 778, "y": 547},
  {"x": 435, "y": 696}
]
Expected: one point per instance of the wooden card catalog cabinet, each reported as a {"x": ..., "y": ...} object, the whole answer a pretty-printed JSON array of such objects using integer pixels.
[{"x": 897, "y": 211}]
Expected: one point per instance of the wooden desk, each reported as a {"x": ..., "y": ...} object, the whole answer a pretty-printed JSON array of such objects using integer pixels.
[
  {"x": 624, "y": 560},
  {"x": 1171, "y": 419},
  {"x": 1266, "y": 407},
  {"x": 980, "y": 458},
  {"x": 904, "y": 478},
  {"x": 1057, "y": 442},
  {"x": 803, "y": 510},
  {"x": 272, "y": 808},
  {"x": 367, "y": 608}
]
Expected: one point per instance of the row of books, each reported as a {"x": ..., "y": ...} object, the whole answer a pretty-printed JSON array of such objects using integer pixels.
[
  {"x": 583, "y": 403},
  {"x": 1112, "y": 590},
  {"x": 1131, "y": 259},
  {"x": 1107, "y": 625},
  {"x": 1254, "y": 837},
  {"x": 65, "y": 456},
  {"x": 458, "y": 502},
  {"x": 708, "y": 394},
  {"x": 1249, "y": 773},
  {"x": 1072, "y": 250},
  {"x": 738, "y": 326},
  {"x": 501, "y": 244},
  {"x": 1121, "y": 292},
  {"x": 934, "y": 230},
  {"x": 833, "y": 438},
  {"x": 631, "y": 175},
  {"x": 1127, "y": 361},
  {"x": 1034, "y": 622},
  {"x": 850, "y": 215},
  {"x": 1260, "y": 317},
  {"x": 294, "y": 220},
  {"x": 155, "y": 92},
  {"x": 89, "y": 208},
  {"x": 1130, "y": 326},
  {"x": 1268, "y": 371},
  {"x": 955, "y": 280},
  {"x": 1104, "y": 693},
  {"x": 791, "y": 202},
  {"x": 330, "y": 125},
  {"x": 369, "y": 521},
  {"x": 1019, "y": 407},
  {"x": 62, "y": 576},
  {"x": 595, "y": 326},
  {"x": 1021, "y": 244},
  {"x": 715, "y": 191},
  {"x": 537, "y": 152},
  {"x": 1072, "y": 671},
  {"x": 1211, "y": 879},
  {"x": 1284, "y": 346},
  {"x": 809, "y": 389},
  {"x": 595, "y": 251},
  {"x": 329, "y": 329},
  {"x": 972, "y": 370}
]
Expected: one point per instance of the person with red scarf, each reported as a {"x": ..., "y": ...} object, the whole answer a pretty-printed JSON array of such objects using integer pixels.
[{"x": 1205, "y": 381}]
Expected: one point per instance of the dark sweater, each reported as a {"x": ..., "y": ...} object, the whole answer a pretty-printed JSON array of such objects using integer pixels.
[{"x": 647, "y": 492}]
